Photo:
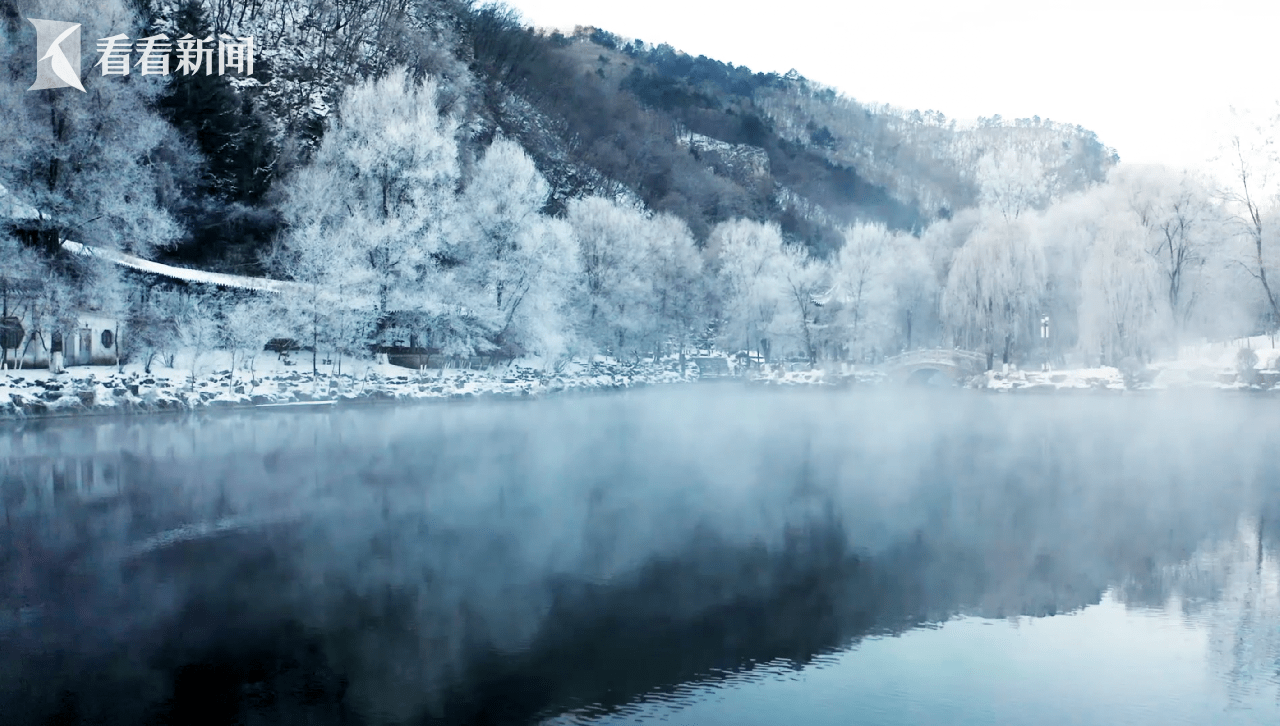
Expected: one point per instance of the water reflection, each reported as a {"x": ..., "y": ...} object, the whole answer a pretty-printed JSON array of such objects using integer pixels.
[
  {"x": 1231, "y": 589},
  {"x": 504, "y": 563},
  {"x": 1112, "y": 662}
]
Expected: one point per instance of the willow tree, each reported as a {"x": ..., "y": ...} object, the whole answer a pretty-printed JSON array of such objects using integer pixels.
[{"x": 995, "y": 288}]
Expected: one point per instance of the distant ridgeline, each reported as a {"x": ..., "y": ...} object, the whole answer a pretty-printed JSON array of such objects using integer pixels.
[{"x": 667, "y": 126}]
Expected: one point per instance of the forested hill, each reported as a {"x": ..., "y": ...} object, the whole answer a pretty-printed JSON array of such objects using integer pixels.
[
  {"x": 600, "y": 115},
  {"x": 710, "y": 141}
]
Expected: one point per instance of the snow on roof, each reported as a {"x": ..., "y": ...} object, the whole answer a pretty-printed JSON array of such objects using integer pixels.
[
  {"x": 220, "y": 279},
  {"x": 12, "y": 208}
]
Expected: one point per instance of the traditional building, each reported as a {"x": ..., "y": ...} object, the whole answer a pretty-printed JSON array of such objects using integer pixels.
[{"x": 85, "y": 337}]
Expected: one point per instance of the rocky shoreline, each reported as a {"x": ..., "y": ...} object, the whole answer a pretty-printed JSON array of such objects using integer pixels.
[
  {"x": 84, "y": 392},
  {"x": 106, "y": 391}
]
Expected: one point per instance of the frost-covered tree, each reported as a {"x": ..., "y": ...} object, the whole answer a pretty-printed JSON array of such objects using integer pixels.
[
  {"x": 1168, "y": 214},
  {"x": 861, "y": 286},
  {"x": 1066, "y": 232},
  {"x": 678, "y": 303},
  {"x": 371, "y": 207},
  {"x": 154, "y": 320},
  {"x": 49, "y": 294},
  {"x": 612, "y": 307},
  {"x": 247, "y": 326},
  {"x": 335, "y": 308},
  {"x": 747, "y": 257},
  {"x": 197, "y": 323},
  {"x": 111, "y": 293},
  {"x": 883, "y": 290},
  {"x": 995, "y": 288},
  {"x": 20, "y": 272},
  {"x": 332, "y": 286},
  {"x": 515, "y": 265},
  {"x": 942, "y": 239},
  {"x": 914, "y": 291},
  {"x": 499, "y": 207},
  {"x": 1253, "y": 156},
  {"x": 1122, "y": 307},
  {"x": 1182, "y": 225},
  {"x": 804, "y": 280},
  {"x": 641, "y": 277},
  {"x": 539, "y": 317},
  {"x": 102, "y": 164},
  {"x": 1012, "y": 183}
]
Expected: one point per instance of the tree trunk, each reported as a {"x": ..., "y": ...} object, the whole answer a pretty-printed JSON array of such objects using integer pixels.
[
  {"x": 30, "y": 339},
  {"x": 1262, "y": 275}
]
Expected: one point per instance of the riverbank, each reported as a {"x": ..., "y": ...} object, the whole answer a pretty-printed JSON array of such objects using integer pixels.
[
  {"x": 1204, "y": 366},
  {"x": 1163, "y": 376},
  {"x": 99, "y": 390},
  {"x": 106, "y": 390}
]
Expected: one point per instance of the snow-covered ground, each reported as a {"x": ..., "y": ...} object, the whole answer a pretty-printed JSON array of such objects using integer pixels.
[
  {"x": 1214, "y": 364},
  {"x": 798, "y": 375},
  {"x": 106, "y": 389},
  {"x": 1209, "y": 365},
  {"x": 1103, "y": 377},
  {"x": 274, "y": 381}
]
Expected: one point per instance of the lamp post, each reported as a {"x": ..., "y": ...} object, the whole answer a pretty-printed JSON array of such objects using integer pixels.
[{"x": 1044, "y": 340}]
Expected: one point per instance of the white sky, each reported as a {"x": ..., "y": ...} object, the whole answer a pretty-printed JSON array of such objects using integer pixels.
[{"x": 1152, "y": 78}]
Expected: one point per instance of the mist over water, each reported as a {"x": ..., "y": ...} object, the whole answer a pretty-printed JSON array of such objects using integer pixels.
[{"x": 605, "y": 557}]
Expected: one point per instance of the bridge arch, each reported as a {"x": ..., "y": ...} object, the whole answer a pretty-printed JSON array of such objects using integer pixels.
[
  {"x": 923, "y": 367},
  {"x": 927, "y": 376}
]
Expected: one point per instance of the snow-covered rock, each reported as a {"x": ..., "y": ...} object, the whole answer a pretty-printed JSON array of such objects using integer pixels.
[
  {"x": 281, "y": 382},
  {"x": 105, "y": 390}
]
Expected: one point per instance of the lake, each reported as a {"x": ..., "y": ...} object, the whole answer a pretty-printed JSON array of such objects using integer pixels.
[{"x": 706, "y": 554}]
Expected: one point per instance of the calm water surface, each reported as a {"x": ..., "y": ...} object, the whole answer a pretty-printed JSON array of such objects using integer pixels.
[{"x": 687, "y": 555}]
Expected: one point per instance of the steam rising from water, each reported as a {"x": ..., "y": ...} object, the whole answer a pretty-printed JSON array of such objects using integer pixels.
[{"x": 501, "y": 562}]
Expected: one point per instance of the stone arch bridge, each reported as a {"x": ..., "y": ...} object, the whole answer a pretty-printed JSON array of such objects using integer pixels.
[{"x": 920, "y": 366}]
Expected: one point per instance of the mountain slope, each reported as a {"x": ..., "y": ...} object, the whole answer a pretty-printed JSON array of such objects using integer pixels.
[{"x": 600, "y": 115}]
